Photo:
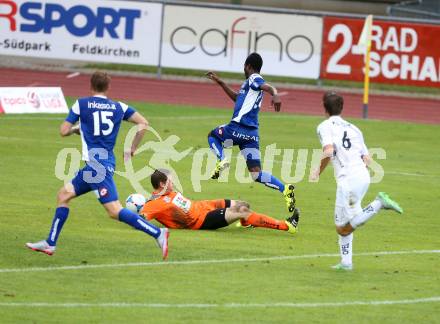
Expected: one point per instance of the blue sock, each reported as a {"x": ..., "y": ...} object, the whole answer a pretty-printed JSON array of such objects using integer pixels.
[
  {"x": 216, "y": 147},
  {"x": 134, "y": 220},
  {"x": 270, "y": 181},
  {"x": 59, "y": 219}
]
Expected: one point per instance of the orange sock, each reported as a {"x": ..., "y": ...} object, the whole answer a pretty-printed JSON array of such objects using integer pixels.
[
  {"x": 244, "y": 223},
  {"x": 260, "y": 220}
]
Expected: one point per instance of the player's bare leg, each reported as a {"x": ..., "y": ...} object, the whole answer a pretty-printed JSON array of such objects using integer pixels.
[
  {"x": 48, "y": 246},
  {"x": 65, "y": 195},
  {"x": 113, "y": 209},
  {"x": 236, "y": 204}
]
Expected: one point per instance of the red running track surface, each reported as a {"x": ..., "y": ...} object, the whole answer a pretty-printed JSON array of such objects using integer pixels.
[{"x": 206, "y": 94}]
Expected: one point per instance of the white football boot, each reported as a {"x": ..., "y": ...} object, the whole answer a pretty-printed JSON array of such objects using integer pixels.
[
  {"x": 162, "y": 241},
  {"x": 41, "y": 246}
]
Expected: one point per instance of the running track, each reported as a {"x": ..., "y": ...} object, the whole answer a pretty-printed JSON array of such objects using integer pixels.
[{"x": 192, "y": 93}]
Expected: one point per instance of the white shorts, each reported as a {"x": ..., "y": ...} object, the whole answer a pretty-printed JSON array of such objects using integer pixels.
[{"x": 349, "y": 194}]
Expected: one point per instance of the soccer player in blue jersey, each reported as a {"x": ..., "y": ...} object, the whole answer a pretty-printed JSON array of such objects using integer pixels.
[
  {"x": 243, "y": 128},
  {"x": 99, "y": 122}
]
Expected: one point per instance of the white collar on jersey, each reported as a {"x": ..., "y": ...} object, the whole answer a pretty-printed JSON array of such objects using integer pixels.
[
  {"x": 335, "y": 117},
  {"x": 255, "y": 75},
  {"x": 100, "y": 96}
]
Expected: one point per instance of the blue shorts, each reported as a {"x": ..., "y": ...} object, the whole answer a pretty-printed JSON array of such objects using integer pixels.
[
  {"x": 246, "y": 138},
  {"x": 87, "y": 179}
]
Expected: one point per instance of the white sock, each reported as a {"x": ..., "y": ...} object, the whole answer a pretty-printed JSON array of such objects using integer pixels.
[
  {"x": 368, "y": 212},
  {"x": 346, "y": 249}
]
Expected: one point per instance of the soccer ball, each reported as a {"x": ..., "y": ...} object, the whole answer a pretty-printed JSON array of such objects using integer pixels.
[{"x": 135, "y": 202}]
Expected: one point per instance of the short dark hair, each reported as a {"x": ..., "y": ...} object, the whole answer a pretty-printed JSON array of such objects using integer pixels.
[
  {"x": 158, "y": 176},
  {"x": 255, "y": 61},
  {"x": 333, "y": 103},
  {"x": 100, "y": 81}
]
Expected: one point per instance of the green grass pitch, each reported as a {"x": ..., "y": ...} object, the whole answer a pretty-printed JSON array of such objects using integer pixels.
[{"x": 249, "y": 290}]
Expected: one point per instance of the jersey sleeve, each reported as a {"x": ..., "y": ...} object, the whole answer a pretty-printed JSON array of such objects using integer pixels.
[
  {"x": 73, "y": 115},
  {"x": 148, "y": 212},
  {"x": 128, "y": 111},
  {"x": 256, "y": 83},
  {"x": 325, "y": 134}
]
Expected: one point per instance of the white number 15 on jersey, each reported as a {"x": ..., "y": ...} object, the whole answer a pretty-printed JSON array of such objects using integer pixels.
[{"x": 98, "y": 122}]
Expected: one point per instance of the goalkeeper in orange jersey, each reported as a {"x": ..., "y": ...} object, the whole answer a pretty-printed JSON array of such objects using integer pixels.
[{"x": 173, "y": 210}]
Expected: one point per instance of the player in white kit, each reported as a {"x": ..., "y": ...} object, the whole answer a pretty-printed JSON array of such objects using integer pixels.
[{"x": 343, "y": 144}]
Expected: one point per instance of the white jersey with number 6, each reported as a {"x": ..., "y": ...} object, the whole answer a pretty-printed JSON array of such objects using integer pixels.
[{"x": 348, "y": 144}]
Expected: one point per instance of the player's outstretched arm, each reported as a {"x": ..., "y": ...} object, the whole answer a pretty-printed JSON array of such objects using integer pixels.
[
  {"x": 67, "y": 129},
  {"x": 327, "y": 153},
  {"x": 276, "y": 100},
  {"x": 214, "y": 77},
  {"x": 142, "y": 125},
  {"x": 367, "y": 159}
]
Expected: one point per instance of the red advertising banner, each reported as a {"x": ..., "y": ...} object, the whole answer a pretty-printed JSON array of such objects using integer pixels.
[{"x": 401, "y": 53}]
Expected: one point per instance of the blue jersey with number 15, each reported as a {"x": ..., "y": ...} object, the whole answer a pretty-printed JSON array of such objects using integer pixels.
[{"x": 100, "y": 119}]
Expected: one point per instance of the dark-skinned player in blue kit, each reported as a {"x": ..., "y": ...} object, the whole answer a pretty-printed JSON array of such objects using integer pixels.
[{"x": 243, "y": 129}]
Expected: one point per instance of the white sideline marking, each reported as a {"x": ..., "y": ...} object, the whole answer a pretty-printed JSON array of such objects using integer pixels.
[
  {"x": 215, "y": 261},
  {"x": 434, "y": 299},
  {"x": 411, "y": 174}
]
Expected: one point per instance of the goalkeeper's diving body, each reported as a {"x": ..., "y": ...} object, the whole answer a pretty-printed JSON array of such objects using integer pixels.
[{"x": 173, "y": 210}]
